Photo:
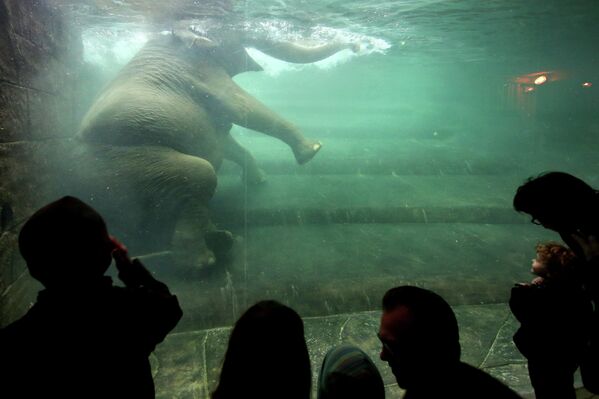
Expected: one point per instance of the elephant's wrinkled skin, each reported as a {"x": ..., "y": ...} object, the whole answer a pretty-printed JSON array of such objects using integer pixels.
[{"x": 177, "y": 96}]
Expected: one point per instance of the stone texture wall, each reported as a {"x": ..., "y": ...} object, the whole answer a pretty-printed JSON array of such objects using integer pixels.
[{"x": 40, "y": 60}]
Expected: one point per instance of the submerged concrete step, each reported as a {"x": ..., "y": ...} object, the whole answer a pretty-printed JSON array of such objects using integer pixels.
[
  {"x": 427, "y": 155},
  {"x": 378, "y": 156},
  {"x": 330, "y": 269},
  {"x": 188, "y": 364},
  {"x": 399, "y": 157},
  {"x": 323, "y": 199}
]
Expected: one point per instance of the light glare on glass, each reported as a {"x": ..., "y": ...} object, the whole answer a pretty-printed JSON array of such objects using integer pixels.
[{"x": 540, "y": 80}]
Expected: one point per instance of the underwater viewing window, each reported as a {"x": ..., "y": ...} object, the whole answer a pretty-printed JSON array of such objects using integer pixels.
[{"x": 316, "y": 153}]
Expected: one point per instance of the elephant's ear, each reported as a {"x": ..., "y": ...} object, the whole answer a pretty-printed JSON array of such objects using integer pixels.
[
  {"x": 193, "y": 40},
  {"x": 236, "y": 60}
]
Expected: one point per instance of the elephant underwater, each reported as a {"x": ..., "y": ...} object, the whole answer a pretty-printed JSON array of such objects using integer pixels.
[{"x": 159, "y": 131}]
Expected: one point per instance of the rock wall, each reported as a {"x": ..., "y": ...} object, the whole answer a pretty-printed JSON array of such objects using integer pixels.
[{"x": 40, "y": 60}]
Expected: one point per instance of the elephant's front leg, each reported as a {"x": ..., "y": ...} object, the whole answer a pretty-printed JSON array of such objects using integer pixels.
[
  {"x": 235, "y": 152},
  {"x": 242, "y": 109}
]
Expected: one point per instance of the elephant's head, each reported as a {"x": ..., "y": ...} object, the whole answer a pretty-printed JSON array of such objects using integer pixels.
[{"x": 228, "y": 50}]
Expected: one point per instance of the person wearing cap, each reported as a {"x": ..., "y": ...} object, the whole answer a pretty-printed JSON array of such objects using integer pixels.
[{"x": 348, "y": 373}]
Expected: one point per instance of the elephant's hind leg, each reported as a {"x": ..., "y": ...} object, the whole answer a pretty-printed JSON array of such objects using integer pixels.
[{"x": 235, "y": 152}]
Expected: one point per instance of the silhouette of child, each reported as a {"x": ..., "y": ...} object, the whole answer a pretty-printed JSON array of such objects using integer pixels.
[
  {"x": 83, "y": 337},
  {"x": 554, "y": 314}
]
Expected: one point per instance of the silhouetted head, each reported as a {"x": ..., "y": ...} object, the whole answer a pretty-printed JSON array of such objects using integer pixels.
[
  {"x": 348, "y": 373},
  {"x": 420, "y": 335},
  {"x": 558, "y": 201},
  {"x": 267, "y": 356},
  {"x": 66, "y": 242}
]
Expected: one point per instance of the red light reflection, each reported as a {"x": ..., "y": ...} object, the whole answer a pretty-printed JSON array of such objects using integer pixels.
[{"x": 538, "y": 78}]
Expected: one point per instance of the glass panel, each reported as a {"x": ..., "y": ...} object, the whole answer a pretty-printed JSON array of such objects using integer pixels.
[{"x": 357, "y": 146}]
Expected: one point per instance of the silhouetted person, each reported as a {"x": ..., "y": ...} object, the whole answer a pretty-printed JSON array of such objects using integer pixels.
[
  {"x": 348, "y": 373},
  {"x": 84, "y": 337},
  {"x": 555, "y": 316},
  {"x": 563, "y": 203},
  {"x": 267, "y": 356},
  {"x": 420, "y": 338}
]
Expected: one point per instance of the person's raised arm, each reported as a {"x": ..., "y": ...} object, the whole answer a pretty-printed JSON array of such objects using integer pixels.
[
  {"x": 134, "y": 274},
  {"x": 155, "y": 311}
]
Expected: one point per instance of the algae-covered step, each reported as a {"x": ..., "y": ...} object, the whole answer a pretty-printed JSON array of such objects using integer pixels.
[
  {"x": 425, "y": 154},
  {"x": 391, "y": 156},
  {"x": 321, "y": 199}
]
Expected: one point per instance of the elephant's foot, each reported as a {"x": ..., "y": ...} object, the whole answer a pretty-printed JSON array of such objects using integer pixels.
[
  {"x": 206, "y": 259},
  {"x": 219, "y": 241},
  {"x": 212, "y": 249},
  {"x": 306, "y": 150},
  {"x": 201, "y": 258},
  {"x": 192, "y": 251},
  {"x": 253, "y": 176}
]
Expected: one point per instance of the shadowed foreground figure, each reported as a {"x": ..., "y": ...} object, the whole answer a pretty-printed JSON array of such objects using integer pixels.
[
  {"x": 555, "y": 316},
  {"x": 348, "y": 373},
  {"x": 569, "y": 206},
  {"x": 420, "y": 338},
  {"x": 267, "y": 356},
  {"x": 84, "y": 337}
]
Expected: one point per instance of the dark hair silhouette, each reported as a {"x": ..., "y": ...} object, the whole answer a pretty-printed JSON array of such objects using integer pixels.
[
  {"x": 267, "y": 356},
  {"x": 65, "y": 241},
  {"x": 559, "y": 200},
  {"x": 434, "y": 328},
  {"x": 420, "y": 338}
]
